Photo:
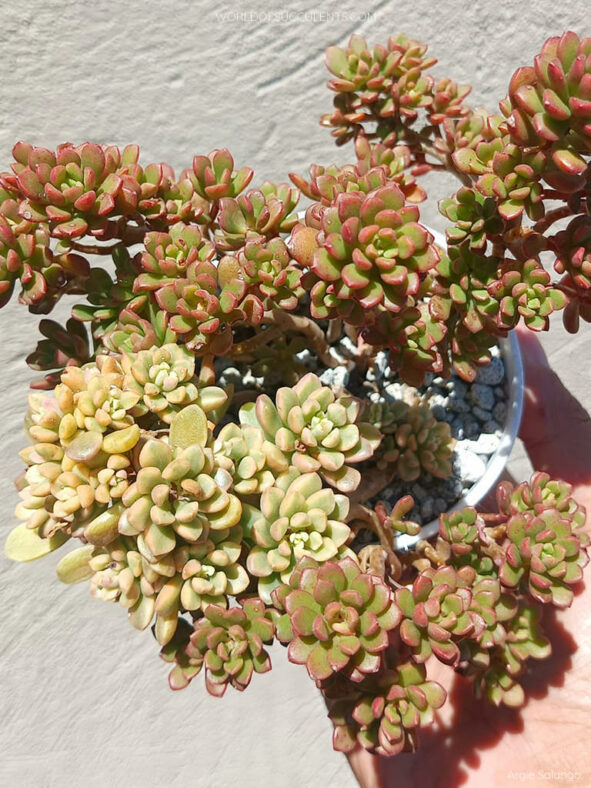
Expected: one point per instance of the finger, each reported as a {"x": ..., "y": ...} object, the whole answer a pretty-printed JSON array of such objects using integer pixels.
[{"x": 556, "y": 429}]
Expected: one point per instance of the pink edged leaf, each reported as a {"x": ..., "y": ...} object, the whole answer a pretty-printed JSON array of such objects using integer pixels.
[
  {"x": 302, "y": 621},
  {"x": 318, "y": 664},
  {"x": 73, "y": 229}
]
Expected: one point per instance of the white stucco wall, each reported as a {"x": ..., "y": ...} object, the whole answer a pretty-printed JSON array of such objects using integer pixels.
[{"x": 84, "y": 697}]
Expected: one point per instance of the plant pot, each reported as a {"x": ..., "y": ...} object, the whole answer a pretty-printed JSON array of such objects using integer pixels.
[{"x": 514, "y": 379}]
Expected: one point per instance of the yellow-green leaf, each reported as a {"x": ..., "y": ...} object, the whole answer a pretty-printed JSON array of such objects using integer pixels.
[
  {"x": 24, "y": 544},
  {"x": 103, "y": 529},
  {"x": 188, "y": 427},
  {"x": 73, "y": 568}
]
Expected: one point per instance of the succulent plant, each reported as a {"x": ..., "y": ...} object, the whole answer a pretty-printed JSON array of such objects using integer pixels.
[
  {"x": 413, "y": 338},
  {"x": 270, "y": 273},
  {"x": 506, "y": 173},
  {"x": 495, "y": 671},
  {"x": 468, "y": 130},
  {"x": 204, "y": 306},
  {"x": 71, "y": 188},
  {"x": 178, "y": 494},
  {"x": 209, "y": 568},
  {"x": 524, "y": 291},
  {"x": 187, "y": 439},
  {"x": 475, "y": 218},
  {"x": 340, "y": 618},
  {"x": 229, "y": 643},
  {"x": 25, "y": 255},
  {"x": 379, "y": 83},
  {"x": 253, "y": 461},
  {"x": 257, "y": 213},
  {"x": 414, "y": 440},
  {"x": 464, "y": 282},
  {"x": 460, "y": 530},
  {"x": 317, "y": 431},
  {"x": 168, "y": 255},
  {"x": 540, "y": 493},
  {"x": 395, "y": 520},
  {"x": 573, "y": 247},
  {"x": 121, "y": 574},
  {"x": 214, "y": 176},
  {"x": 164, "y": 377},
  {"x": 546, "y": 105},
  {"x": 372, "y": 250},
  {"x": 545, "y": 555},
  {"x": 81, "y": 438},
  {"x": 384, "y": 714},
  {"x": 132, "y": 332},
  {"x": 326, "y": 182},
  {"x": 297, "y": 517},
  {"x": 437, "y": 613},
  {"x": 61, "y": 347}
]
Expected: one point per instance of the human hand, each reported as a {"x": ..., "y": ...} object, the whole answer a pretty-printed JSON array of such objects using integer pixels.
[{"x": 546, "y": 742}]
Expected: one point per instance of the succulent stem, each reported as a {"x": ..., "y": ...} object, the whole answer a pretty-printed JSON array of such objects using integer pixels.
[
  {"x": 303, "y": 325},
  {"x": 248, "y": 346}
]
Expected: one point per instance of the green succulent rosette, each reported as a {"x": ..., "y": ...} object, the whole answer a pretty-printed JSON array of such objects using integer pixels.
[
  {"x": 475, "y": 218},
  {"x": 270, "y": 273},
  {"x": 258, "y": 213},
  {"x": 316, "y": 430},
  {"x": 253, "y": 461},
  {"x": 133, "y": 332},
  {"x": 297, "y": 517},
  {"x": 543, "y": 555},
  {"x": 495, "y": 670},
  {"x": 209, "y": 570},
  {"x": 339, "y": 618},
  {"x": 463, "y": 284},
  {"x": 460, "y": 530},
  {"x": 327, "y": 182},
  {"x": 438, "y": 612},
  {"x": 205, "y": 304},
  {"x": 146, "y": 589},
  {"x": 393, "y": 161},
  {"x": 414, "y": 441},
  {"x": 214, "y": 176},
  {"x": 230, "y": 645},
  {"x": 539, "y": 493},
  {"x": 507, "y": 174},
  {"x": 386, "y": 713},
  {"x": 26, "y": 256},
  {"x": 376, "y": 83},
  {"x": 164, "y": 377},
  {"x": 372, "y": 251},
  {"x": 524, "y": 290},
  {"x": 178, "y": 495},
  {"x": 168, "y": 255},
  {"x": 547, "y": 105},
  {"x": 78, "y": 461},
  {"x": 73, "y": 188},
  {"x": 467, "y": 131}
]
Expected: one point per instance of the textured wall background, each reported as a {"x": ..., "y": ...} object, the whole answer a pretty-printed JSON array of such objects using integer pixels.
[{"x": 84, "y": 696}]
